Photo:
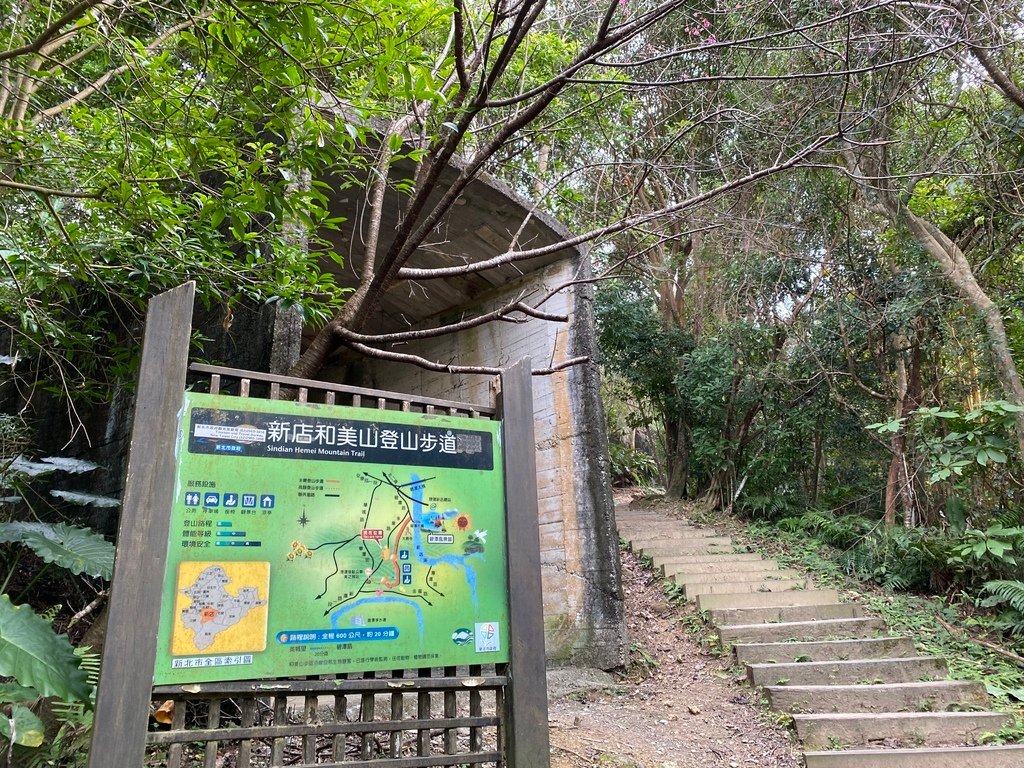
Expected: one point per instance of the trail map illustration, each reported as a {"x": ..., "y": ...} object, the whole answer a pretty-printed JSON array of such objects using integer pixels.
[{"x": 309, "y": 539}]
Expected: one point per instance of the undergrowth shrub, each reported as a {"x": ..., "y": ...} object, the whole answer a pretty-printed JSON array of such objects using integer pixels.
[
  {"x": 916, "y": 559},
  {"x": 1009, "y": 596},
  {"x": 631, "y": 467}
]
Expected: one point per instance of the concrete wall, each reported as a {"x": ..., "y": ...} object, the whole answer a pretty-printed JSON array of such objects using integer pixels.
[{"x": 579, "y": 551}]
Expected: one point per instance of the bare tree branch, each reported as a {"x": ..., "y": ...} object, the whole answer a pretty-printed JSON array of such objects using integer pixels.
[
  {"x": 47, "y": 191},
  {"x": 431, "y": 365},
  {"x": 73, "y": 13},
  {"x": 630, "y": 222}
]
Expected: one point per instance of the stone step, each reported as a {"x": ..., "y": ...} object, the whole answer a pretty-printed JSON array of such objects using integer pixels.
[
  {"x": 896, "y": 728},
  {"x": 851, "y": 672},
  {"x": 668, "y": 534},
  {"x": 759, "y": 587},
  {"x": 639, "y": 514},
  {"x": 685, "y": 540},
  {"x": 633, "y": 513},
  {"x": 1007, "y": 756},
  {"x": 722, "y": 567},
  {"x": 697, "y": 576},
  {"x": 936, "y": 696},
  {"x": 635, "y": 527},
  {"x": 662, "y": 549},
  {"x": 824, "y": 650},
  {"x": 785, "y": 613},
  {"x": 639, "y": 526},
  {"x": 721, "y": 558},
  {"x": 801, "y": 630},
  {"x": 765, "y": 599}
]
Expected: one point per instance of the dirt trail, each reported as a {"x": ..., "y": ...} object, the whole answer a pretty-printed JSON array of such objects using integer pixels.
[{"x": 678, "y": 707}]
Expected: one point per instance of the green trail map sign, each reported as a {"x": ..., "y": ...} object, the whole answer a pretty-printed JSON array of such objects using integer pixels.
[{"x": 308, "y": 539}]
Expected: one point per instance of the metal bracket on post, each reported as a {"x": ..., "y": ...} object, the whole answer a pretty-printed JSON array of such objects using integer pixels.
[
  {"x": 526, "y": 702},
  {"x": 122, "y": 706}
]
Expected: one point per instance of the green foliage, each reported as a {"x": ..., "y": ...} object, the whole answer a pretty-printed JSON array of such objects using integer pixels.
[
  {"x": 1010, "y": 596},
  {"x": 630, "y": 466},
  {"x": 79, "y": 550},
  {"x": 638, "y": 347},
  {"x": 22, "y": 727},
  {"x": 69, "y": 748},
  {"x": 993, "y": 546},
  {"x": 34, "y": 655},
  {"x": 14, "y": 435},
  {"x": 641, "y": 660},
  {"x": 1012, "y": 733},
  {"x": 916, "y": 559},
  {"x": 676, "y": 593},
  {"x": 839, "y": 531},
  {"x": 958, "y": 444},
  {"x": 188, "y": 162},
  {"x": 41, "y": 662}
]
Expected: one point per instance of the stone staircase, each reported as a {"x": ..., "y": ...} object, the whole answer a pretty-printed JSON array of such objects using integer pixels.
[{"x": 859, "y": 697}]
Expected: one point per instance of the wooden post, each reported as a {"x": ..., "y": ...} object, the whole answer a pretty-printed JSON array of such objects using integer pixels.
[
  {"x": 126, "y": 676},
  {"x": 526, "y": 701}
]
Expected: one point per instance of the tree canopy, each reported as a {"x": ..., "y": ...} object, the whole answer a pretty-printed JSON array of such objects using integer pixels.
[{"x": 805, "y": 220}]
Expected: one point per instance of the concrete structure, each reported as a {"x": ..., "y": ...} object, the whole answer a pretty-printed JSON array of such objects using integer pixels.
[{"x": 582, "y": 590}]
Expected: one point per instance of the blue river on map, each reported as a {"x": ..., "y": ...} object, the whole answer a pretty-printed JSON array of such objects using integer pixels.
[
  {"x": 336, "y": 616},
  {"x": 458, "y": 561}
]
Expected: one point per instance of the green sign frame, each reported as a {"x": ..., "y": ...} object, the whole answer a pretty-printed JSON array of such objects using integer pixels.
[{"x": 308, "y": 538}]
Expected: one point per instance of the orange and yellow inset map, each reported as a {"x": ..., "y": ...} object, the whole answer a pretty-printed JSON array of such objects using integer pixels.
[{"x": 220, "y": 607}]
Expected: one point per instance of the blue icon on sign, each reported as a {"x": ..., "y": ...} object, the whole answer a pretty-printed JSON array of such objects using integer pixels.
[
  {"x": 403, "y": 554},
  {"x": 266, "y": 501},
  {"x": 211, "y": 500},
  {"x": 406, "y": 567},
  {"x": 230, "y": 499},
  {"x": 192, "y": 499},
  {"x": 406, "y": 578},
  {"x": 249, "y": 500}
]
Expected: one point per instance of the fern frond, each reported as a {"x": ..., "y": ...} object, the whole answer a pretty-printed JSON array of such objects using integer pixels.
[
  {"x": 1009, "y": 592},
  {"x": 1011, "y": 517}
]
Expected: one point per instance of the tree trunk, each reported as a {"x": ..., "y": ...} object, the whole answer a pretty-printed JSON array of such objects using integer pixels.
[
  {"x": 818, "y": 466},
  {"x": 677, "y": 459},
  {"x": 898, "y": 444},
  {"x": 957, "y": 270}
]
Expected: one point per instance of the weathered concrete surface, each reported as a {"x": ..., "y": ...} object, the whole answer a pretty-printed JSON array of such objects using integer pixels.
[
  {"x": 801, "y": 630},
  {"x": 563, "y": 681},
  {"x": 888, "y": 697},
  {"x": 765, "y": 599},
  {"x": 708, "y": 573},
  {"x": 664, "y": 561},
  {"x": 583, "y": 607},
  {"x": 654, "y": 551},
  {"x": 718, "y": 568},
  {"x": 899, "y": 728},
  {"x": 967, "y": 757},
  {"x": 687, "y": 542},
  {"x": 631, "y": 529},
  {"x": 779, "y": 614},
  {"x": 646, "y": 539},
  {"x": 849, "y": 672},
  {"x": 760, "y": 586},
  {"x": 824, "y": 650}
]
